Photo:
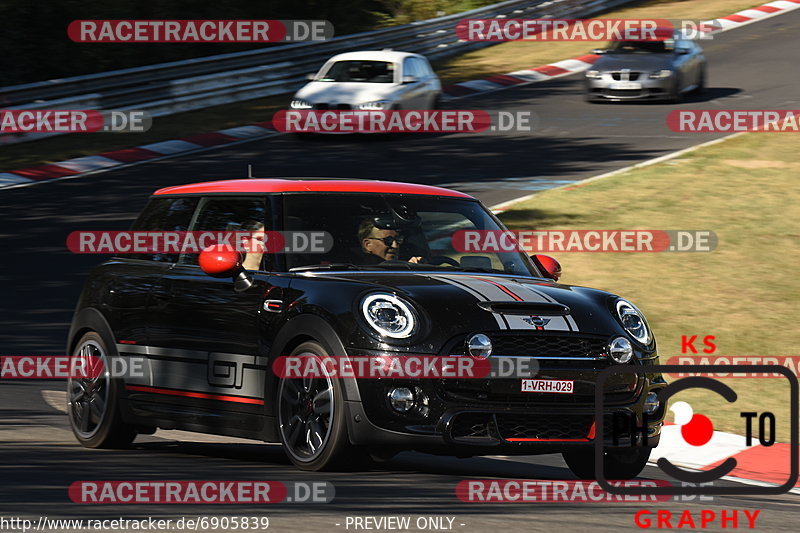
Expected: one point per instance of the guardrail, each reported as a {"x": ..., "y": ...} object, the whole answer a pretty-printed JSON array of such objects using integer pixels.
[{"x": 175, "y": 87}]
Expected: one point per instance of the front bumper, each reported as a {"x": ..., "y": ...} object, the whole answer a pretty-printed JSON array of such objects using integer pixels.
[
  {"x": 488, "y": 417},
  {"x": 642, "y": 88}
]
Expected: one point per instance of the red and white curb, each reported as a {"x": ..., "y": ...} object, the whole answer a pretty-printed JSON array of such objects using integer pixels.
[
  {"x": 520, "y": 77},
  {"x": 579, "y": 64},
  {"x": 755, "y": 465},
  {"x": 93, "y": 164}
]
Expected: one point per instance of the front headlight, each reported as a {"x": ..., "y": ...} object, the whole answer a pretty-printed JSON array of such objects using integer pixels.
[
  {"x": 593, "y": 74},
  {"x": 658, "y": 74},
  {"x": 378, "y": 105},
  {"x": 300, "y": 104},
  {"x": 389, "y": 315},
  {"x": 633, "y": 321}
]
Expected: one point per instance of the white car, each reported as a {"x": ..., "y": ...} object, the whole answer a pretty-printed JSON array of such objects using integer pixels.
[{"x": 371, "y": 80}]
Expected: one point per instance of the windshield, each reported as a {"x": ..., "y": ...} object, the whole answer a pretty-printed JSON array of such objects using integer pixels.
[
  {"x": 360, "y": 71},
  {"x": 642, "y": 47},
  {"x": 413, "y": 232}
]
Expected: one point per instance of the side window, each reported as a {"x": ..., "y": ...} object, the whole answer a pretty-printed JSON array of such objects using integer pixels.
[
  {"x": 164, "y": 214},
  {"x": 420, "y": 68},
  {"x": 426, "y": 67},
  {"x": 410, "y": 67},
  {"x": 233, "y": 214}
]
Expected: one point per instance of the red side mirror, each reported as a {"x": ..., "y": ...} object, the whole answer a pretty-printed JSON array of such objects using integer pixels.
[
  {"x": 220, "y": 261},
  {"x": 549, "y": 266}
]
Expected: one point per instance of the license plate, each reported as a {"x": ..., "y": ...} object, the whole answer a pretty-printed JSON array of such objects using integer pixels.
[
  {"x": 548, "y": 385},
  {"x": 630, "y": 85}
]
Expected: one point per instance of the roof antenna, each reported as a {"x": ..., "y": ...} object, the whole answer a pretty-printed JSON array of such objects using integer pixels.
[{"x": 249, "y": 171}]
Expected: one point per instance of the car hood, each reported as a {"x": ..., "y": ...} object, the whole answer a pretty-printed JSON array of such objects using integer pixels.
[
  {"x": 451, "y": 303},
  {"x": 635, "y": 62},
  {"x": 346, "y": 92}
]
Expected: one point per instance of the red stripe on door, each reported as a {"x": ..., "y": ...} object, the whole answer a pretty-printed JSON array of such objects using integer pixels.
[{"x": 188, "y": 394}]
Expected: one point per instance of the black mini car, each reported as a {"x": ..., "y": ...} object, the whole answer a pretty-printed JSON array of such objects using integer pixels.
[{"x": 207, "y": 329}]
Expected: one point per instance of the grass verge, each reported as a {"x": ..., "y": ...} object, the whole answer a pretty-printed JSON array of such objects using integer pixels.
[
  {"x": 505, "y": 57},
  {"x": 519, "y": 55},
  {"x": 745, "y": 292}
]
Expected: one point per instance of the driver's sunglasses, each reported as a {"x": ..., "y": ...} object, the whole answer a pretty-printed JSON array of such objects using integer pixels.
[{"x": 390, "y": 240}]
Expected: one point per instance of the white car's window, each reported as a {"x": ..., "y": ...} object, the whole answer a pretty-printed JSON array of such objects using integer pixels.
[
  {"x": 419, "y": 68},
  {"x": 409, "y": 68},
  {"x": 426, "y": 67},
  {"x": 360, "y": 71},
  {"x": 642, "y": 47}
]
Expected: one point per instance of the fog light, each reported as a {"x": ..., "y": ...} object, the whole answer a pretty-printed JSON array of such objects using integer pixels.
[
  {"x": 620, "y": 350},
  {"x": 651, "y": 403},
  {"x": 479, "y": 345},
  {"x": 401, "y": 399}
]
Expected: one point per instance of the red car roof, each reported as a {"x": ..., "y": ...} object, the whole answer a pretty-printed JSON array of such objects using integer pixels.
[{"x": 281, "y": 185}]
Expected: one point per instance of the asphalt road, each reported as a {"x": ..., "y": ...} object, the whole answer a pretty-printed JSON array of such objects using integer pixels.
[
  {"x": 39, "y": 459},
  {"x": 753, "y": 67}
]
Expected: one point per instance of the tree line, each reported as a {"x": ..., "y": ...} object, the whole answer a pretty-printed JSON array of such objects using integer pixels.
[{"x": 34, "y": 45}]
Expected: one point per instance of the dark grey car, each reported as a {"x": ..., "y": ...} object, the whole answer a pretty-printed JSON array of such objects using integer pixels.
[{"x": 664, "y": 70}]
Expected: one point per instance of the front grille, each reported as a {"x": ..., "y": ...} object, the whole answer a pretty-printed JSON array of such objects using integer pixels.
[
  {"x": 521, "y": 426},
  {"x": 549, "y": 427},
  {"x": 624, "y": 92},
  {"x": 618, "y": 76},
  {"x": 339, "y": 107},
  {"x": 545, "y": 345},
  {"x": 473, "y": 426}
]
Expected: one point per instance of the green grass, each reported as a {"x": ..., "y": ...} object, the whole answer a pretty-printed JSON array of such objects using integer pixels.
[
  {"x": 519, "y": 55},
  {"x": 745, "y": 292}
]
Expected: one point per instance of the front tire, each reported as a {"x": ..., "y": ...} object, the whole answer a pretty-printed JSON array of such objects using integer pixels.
[
  {"x": 311, "y": 418},
  {"x": 93, "y": 402},
  {"x": 617, "y": 464}
]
